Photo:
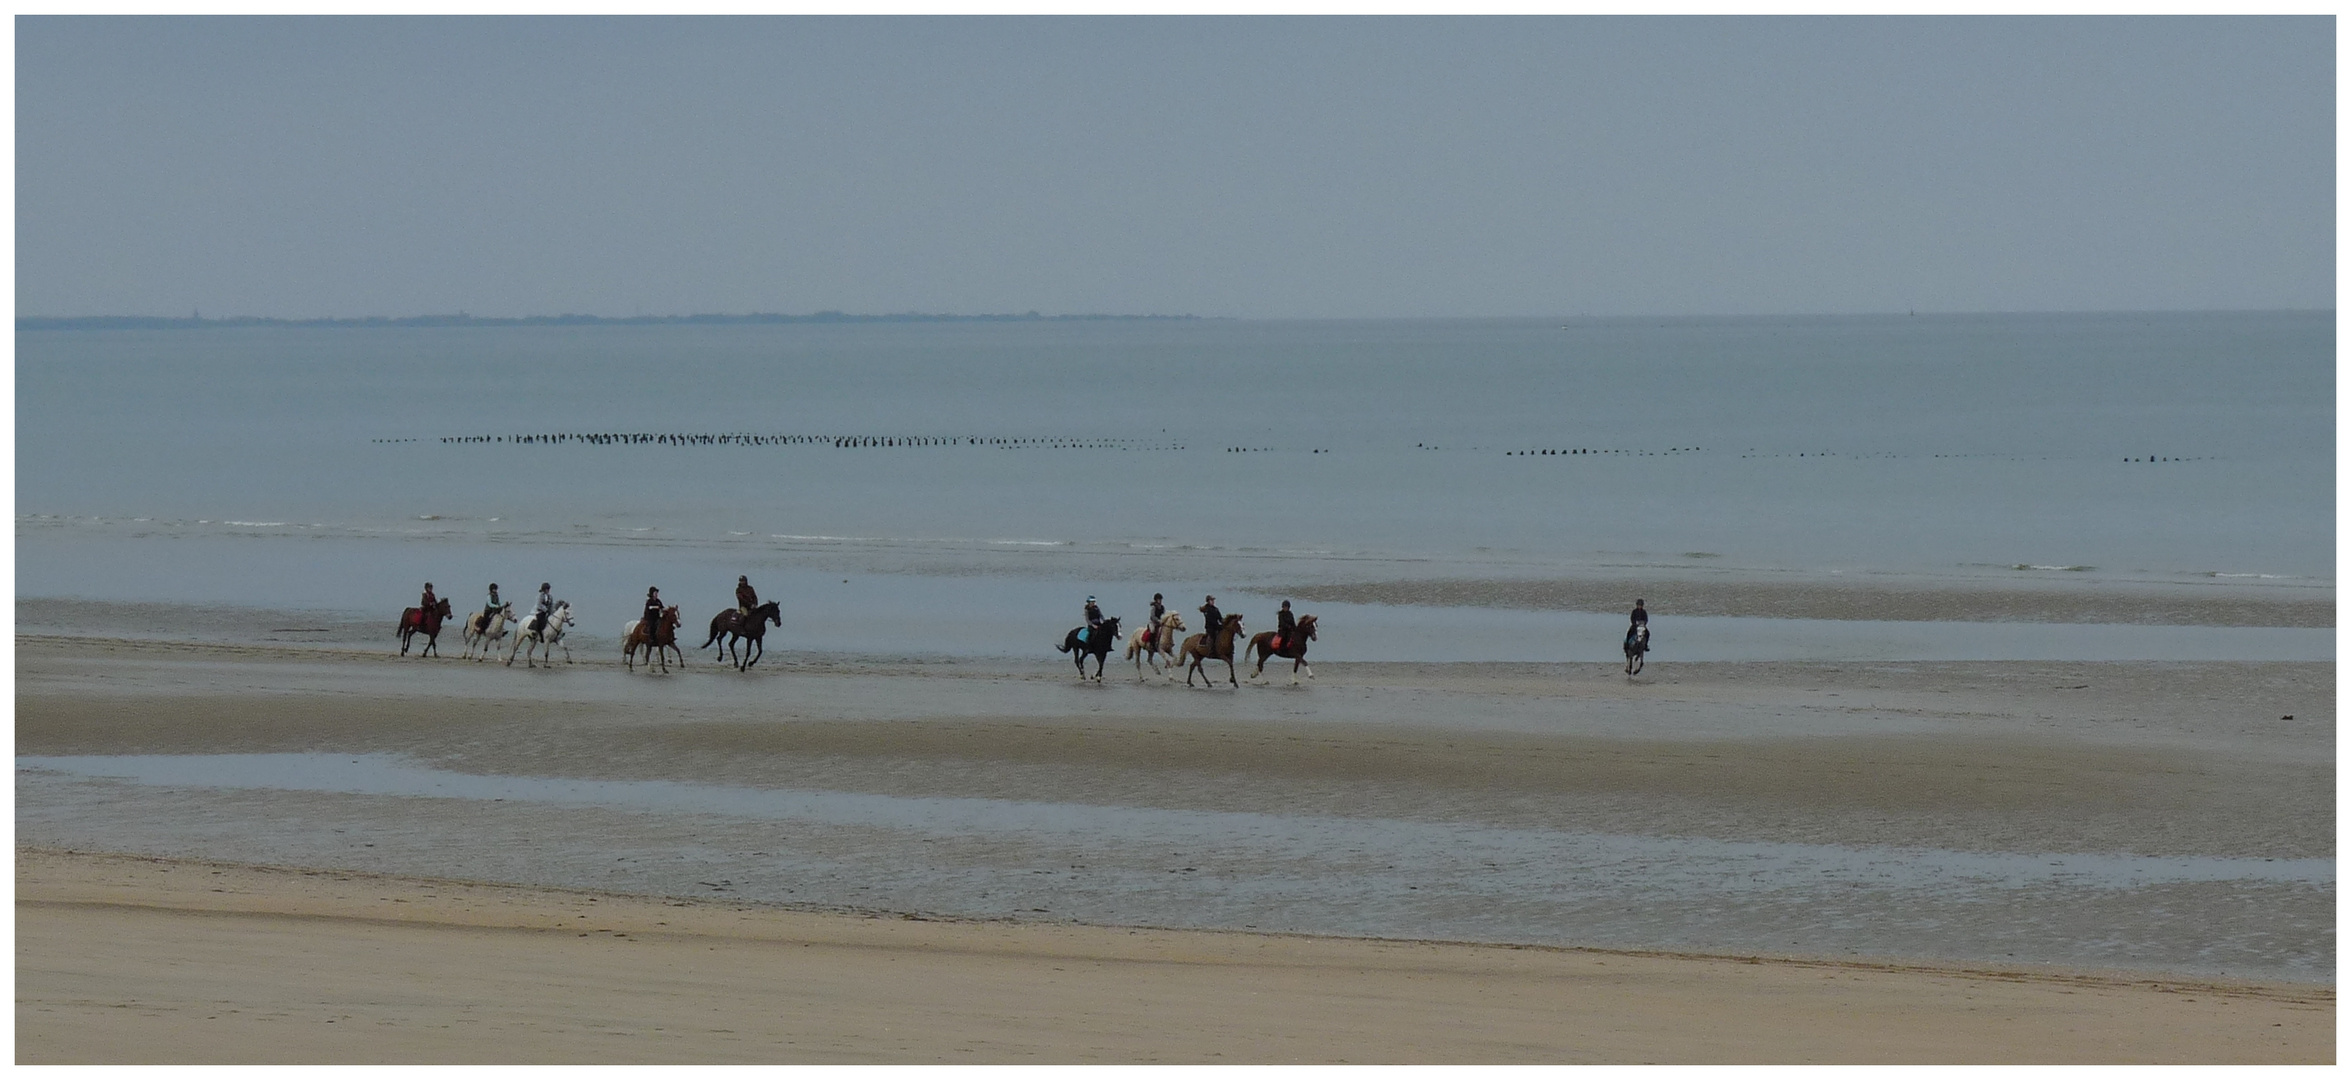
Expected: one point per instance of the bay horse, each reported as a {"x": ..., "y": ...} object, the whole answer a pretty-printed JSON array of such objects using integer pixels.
[
  {"x": 1097, "y": 645},
  {"x": 728, "y": 624},
  {"x": 1215, "y": 645},
  {"x": 426, "y": 621},
  {"x": 486, "y": 631},
  {"x": 658, "y": 642},
  {"x": 543, "y": 640},
  {"x": 1636, "y": 648},
  {"x": 1294, "y": 648},
  {"x": 1152, "y": 642}
]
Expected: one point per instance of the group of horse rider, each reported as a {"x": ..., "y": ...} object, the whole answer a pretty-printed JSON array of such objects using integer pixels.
[
  {"x": 1211, "y": 620},
  {"x": 746, "y": 599}
]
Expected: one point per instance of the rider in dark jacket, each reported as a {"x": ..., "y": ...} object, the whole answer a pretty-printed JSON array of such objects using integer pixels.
[
  {"x": 746, "y": 597},
  {"x": 1158, "y": 612},
  {"x": 653, "y": 612},
  {"x": 1284, "y": 624},
  {"x": 1211, "y": 620},
  {"x": 1093, "y": 620}
]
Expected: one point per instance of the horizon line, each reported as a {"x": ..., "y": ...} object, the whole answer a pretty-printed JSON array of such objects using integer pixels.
[{"x": 196, "y": 320}]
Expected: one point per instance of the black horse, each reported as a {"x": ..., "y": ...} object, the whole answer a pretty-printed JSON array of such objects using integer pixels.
[
  {"x": 1636, "y": 648},
  {"x": 729, "y": 625},
  {"x": 1097, "y": 644}
]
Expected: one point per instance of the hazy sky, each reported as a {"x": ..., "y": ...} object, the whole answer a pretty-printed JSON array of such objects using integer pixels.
[{"x": 1316, "y": 167}]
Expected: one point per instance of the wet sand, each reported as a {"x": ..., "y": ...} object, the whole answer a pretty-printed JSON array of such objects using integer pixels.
[
  {"x": 2138, "y": 760},
  {"x": 1692, "y": 593},
  {"x": 129, "y": 960}
]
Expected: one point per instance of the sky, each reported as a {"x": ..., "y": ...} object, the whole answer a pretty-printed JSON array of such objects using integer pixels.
[{"x": 1253, "y": 167}]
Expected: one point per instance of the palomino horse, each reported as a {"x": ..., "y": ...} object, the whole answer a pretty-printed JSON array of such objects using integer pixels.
[
  {"x": 1216, "y": 645},
  {"x": 542, "y": 641},
  {"x": 1151, "y": 643},
  {"x": 1293, "y": 648},
  {"x": 728, "y": 624},
  {"x": 1097, "y": 645},
  {"x": 658, "y": 642},
  {"x": 486, "y": 631},
  {"x": 414, "y": 621},
  {"x": 1636, "y": 648}
]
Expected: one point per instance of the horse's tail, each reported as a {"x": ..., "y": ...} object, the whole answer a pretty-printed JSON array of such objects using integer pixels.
[{"x": 1062, "y": 646}]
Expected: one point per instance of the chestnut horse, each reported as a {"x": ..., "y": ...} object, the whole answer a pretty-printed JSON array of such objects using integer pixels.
[
  {"x": 414, "y": 621},
  {"x": 1292, "y": 649},
  {"x": 1215, "y": 645},
  {"x": 662, "y": 641}
]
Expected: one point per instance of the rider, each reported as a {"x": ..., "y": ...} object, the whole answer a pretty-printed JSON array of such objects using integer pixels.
[
  {"x": 430, "y": 602},
  {"x": 492, "y": 609},
  {"x": 746, "y": 597},
  {"x": 1158, "y": 612},
  {"x": 1284, "y": 624},
  {"x": 1640, "y": 627},
  {"x": 545, "y": 610},
  {"x": 1211, "y": 620},
  {"x": 653, "y": 612},
  {"x": 1093, "y": 620}
]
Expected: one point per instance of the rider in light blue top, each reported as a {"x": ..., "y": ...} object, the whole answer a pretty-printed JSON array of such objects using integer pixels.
[{"x": 1093, "y": 620}]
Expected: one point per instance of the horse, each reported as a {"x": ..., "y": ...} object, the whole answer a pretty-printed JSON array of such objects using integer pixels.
[
  {"x": 1216, "y": 645},
  {"x": 657, "y": 642},
  {"x": 728, "y": 624},
  {"x": 545, "y": 638},
  {"x": 426, "y": 621},
  {"x": 1097, "y": 644},
  {"x": 1151, "y": 643},
  {"x": 485, "y": 631},
  {"x": 1636, "y": 648},
  {"x": 1293, "y": 648}
]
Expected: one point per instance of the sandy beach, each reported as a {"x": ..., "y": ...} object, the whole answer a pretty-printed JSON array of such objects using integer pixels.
[
  {"x": 840, "y": 859},
  {"x": 131, "y": 960}
]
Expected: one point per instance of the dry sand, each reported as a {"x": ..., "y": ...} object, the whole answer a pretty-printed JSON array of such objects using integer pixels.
[{"x": 139, "y": 960}]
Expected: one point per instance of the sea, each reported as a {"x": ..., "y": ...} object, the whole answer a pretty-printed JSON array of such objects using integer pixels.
[{"x": 899, "y": 486}]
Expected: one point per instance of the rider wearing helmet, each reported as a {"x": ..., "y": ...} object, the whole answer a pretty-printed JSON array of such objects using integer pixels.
[
  {"x": 546, "y": 608},
  {"x": 1158, "y": 612},
  {"x": 746, "y": 597},
  {"x": 1211, "y": 620},
  {"x": 1285, "y": 624},
  {"x": 1639, "y": 630},
  {"x": 1093, "y": 620}
]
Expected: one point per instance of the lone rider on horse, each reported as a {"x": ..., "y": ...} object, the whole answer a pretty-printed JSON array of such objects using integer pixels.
[
  {"x": 746, "y": 598},
  {"x": 1639, "y": 630}
]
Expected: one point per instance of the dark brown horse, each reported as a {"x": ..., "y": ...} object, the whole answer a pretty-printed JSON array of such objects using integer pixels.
[
  {"x": 729, "y": 625},
  {"x": 1215, "y": 645},
  {"x": 1293, "y": 648},
  {"x": 414, "y": 621}
]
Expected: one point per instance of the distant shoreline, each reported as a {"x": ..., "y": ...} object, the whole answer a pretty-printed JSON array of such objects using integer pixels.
[{"x": 198, "y": 322}]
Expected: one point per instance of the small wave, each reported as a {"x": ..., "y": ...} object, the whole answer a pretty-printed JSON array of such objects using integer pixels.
[
  {"x": 2038, "y": 566},
  {"x": 257, "y": 524},
  {"x": 2264, "y": 577}
]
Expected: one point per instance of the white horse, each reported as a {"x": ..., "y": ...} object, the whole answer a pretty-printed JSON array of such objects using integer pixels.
[
  {"x": 548, "y": 638},
  {"x": 487, "y": 634},
  {"x": 1164, "y": 644}
]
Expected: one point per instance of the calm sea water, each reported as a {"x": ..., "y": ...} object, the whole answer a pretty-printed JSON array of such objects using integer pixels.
[{"x": 1038, "y": 462}]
